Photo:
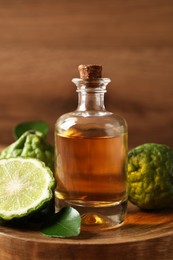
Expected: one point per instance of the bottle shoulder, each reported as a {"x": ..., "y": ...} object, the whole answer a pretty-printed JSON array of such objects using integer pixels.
[
  {"x": 92, "y": 123},
  {"x": 89, "y": 113}
]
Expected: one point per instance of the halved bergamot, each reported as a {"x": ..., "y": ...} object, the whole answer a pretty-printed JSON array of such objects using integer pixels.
[{"x": 26, "y": 185}]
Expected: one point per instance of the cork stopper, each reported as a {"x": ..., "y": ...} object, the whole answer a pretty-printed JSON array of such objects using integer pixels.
[{"x": 90, "y": 71}]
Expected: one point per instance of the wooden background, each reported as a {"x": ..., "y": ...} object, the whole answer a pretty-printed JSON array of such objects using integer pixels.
[{"x": 43, "y": 42}]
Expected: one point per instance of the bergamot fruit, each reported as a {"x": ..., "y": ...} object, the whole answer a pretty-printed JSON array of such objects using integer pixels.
[
  {"x": 150, "y": 176},
  {"x": 26, "y": 186},
  {"x": 31, "y": 144}
]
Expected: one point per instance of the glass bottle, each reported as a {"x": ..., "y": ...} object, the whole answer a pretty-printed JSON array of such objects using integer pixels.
[{"x": 91, "y": 156}]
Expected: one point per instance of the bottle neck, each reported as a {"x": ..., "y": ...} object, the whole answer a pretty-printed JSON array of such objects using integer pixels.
[
  {"x": 90, "y": 101},
  {"x": 91, "y": 94}
]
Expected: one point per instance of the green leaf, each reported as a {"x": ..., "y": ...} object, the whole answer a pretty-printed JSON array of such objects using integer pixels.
[
  {"x": 21, "y": 128},
  {"x": 65, "y": 223}
]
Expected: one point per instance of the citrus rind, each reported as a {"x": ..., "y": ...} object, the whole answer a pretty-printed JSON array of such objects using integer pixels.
[
  {"x": 25, "y": 186},
  {"x": 150, "y": 176}
]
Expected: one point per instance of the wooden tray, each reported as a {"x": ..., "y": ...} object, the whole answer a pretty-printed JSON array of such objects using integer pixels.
[{"x": 143, "y": 235}]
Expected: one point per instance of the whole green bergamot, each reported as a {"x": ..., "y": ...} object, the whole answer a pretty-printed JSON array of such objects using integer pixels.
[
  {"x": 150, "y": 176},
  {"x": 31, "y": 144}
]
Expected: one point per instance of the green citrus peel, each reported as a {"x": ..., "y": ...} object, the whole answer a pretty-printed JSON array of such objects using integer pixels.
[
  {"x": 31, "y": 144},
  {"x": 150, "y": 176}
]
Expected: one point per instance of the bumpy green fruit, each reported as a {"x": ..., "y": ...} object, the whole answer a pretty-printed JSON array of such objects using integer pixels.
[
  {"x": 150, "y": 176},
  {"x": 31, "y": 144}
]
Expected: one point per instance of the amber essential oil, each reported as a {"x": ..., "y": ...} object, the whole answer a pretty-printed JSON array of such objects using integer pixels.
[{"x": 91, "y": 159}]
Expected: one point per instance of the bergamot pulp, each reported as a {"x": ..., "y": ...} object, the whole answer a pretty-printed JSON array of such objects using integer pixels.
[{"x": 26, "y": 185}]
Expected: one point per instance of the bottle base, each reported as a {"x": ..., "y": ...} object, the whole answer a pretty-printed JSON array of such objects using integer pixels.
[{"x": 95, "y": 219}]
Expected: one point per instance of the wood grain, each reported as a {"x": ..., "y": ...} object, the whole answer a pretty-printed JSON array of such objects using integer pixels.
[
  {"x": 143, "y": 235},
  {"x": 43, "y": 42}
]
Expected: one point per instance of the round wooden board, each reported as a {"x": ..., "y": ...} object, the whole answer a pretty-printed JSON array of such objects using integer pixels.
[{"x": 143, "y": 235}]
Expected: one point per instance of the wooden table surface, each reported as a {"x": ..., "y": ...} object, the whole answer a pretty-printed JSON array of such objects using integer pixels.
[
  {"x": 143, "y": 235},
  {"x": 43, "y": 42}
]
